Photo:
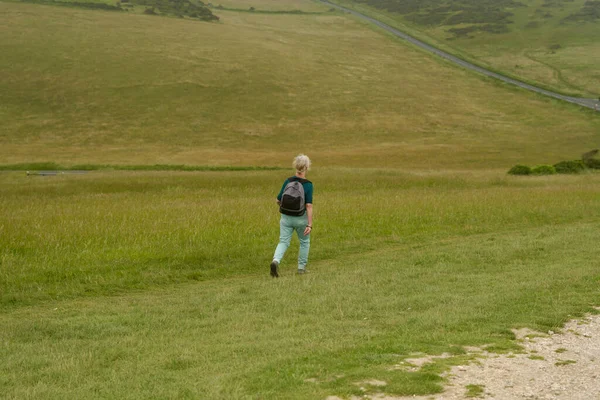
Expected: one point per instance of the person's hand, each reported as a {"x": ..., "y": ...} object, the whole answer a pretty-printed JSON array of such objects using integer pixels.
[{"x": 307, "y": 230}]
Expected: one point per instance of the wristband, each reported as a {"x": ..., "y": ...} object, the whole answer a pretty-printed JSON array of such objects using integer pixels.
[{"x": 309, "y": 226}]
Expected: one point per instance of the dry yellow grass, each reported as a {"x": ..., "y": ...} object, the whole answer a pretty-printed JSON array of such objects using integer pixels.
[
  {"x": 578, "y": 64},
  {"x": 96, "y": 87}
]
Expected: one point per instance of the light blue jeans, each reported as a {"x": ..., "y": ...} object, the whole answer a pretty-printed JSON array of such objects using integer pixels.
[{"x": 287, "y": 225}]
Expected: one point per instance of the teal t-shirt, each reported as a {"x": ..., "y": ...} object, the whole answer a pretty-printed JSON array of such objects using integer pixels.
[{"x": 308, "y": 190}]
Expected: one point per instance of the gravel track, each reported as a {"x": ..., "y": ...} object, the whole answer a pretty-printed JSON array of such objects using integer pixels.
[
  {"x": 584, "y": 102},
  {"x": 553, "y": 366}
]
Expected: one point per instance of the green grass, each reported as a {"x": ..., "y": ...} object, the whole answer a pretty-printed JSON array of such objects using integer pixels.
[
  {"x": 562, "y": 363},
  {"x": 536, "y": 357},
  {"x": 155, "y": 284},
  {"x": 475, "y": 390},
  {"x": 537, "y": 47},
  {"x": 560, "y": 350},
  {"x": 169, "y": 227}
]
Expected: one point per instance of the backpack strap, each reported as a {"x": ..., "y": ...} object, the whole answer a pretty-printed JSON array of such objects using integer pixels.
[{"x": 301, "y": 180}]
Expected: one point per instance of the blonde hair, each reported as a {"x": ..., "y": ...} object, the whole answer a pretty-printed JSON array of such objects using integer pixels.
[{"x": 301, "y": 163}]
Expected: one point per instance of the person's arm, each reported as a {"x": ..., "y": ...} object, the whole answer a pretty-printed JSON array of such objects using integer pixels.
[{"x": 309, "y": 212}]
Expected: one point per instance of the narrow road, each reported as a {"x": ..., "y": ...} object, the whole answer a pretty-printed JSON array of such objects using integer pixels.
[{"x": 589, "y": 103}]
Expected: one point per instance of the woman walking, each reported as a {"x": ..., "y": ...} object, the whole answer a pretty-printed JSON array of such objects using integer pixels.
[{"x": 295, "y": 205}]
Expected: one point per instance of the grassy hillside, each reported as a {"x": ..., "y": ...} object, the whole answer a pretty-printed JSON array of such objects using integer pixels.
[
  {"x": 552, "y": 42},
  {"x": 84, "y": 86}
]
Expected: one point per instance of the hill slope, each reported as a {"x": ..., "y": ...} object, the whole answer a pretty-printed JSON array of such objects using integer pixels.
[
  {"x": 551, "y": 42},
  {"x": 87, "y": 86}
]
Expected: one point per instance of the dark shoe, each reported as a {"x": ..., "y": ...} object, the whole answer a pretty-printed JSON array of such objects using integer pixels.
[{"x": 275, "y": 269}]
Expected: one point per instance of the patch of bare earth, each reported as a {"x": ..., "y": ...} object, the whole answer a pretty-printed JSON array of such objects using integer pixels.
[{"x": 553, "y": 366}]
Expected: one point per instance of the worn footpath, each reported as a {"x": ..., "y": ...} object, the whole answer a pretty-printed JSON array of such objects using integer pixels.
[{"x": 553, "y": 366}]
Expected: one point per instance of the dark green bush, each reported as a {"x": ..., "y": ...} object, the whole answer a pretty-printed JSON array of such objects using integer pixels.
[
  {"x": 543, "y": 170},
  {"x": 463, "y": 32},
  {"x": 494, "y": 28},
  {"x": 520, "y": 170},
  {"x": 592, "y": 163},
  {"x": 569, "y": 167},
  {"x": 179, "y": 8},
  {"x": 590, "y": 12}
]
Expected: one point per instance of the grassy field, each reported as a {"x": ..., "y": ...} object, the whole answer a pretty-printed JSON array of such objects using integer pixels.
[
  {"x": 69, "y": 234},
  {"x": 154, "y": 283},
  {"x": 540, "y": 44}
]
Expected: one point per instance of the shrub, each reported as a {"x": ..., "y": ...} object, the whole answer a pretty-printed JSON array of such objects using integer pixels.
[
  {"x": 494, "y": 28},
  {"x": 543, "y": 170},
  {"x": 463, "y": 32},
  {"x": 589, "y": 160},
  {"x": 590, "y": 12},
  {"x": 592, "y": 163},
  {"x": 520, "y": 170},
  {"x": 569, "y": 167},
  {"x": 590, "y": 154}
]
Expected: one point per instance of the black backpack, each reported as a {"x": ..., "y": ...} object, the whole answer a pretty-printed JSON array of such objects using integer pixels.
[{"x": 292, "y": 200}]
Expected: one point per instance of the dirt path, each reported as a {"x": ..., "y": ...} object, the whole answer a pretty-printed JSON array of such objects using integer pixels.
[
  {"x": 589, "y": 103},
  {"x": 554, "y": 366}
]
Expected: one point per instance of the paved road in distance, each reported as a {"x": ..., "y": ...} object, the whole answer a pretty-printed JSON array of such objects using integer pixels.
[{"x": 589, "y": 103}]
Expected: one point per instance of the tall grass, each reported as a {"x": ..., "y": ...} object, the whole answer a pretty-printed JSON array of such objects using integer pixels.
[{"x": 67, "y": 236}]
